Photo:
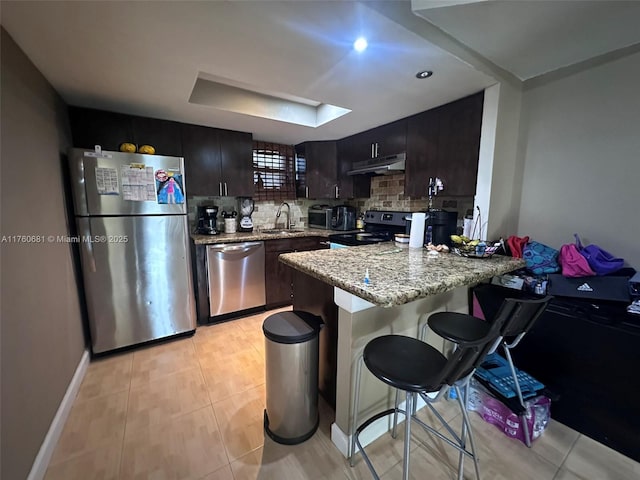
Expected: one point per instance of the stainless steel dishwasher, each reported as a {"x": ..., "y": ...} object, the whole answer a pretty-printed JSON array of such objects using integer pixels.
[{"x": 236, "y": 277}]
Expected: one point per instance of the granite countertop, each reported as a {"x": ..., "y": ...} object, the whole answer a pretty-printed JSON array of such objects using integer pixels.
[
  {"x": 257, "y": 235},
  {"x": 397, "y": 275}
]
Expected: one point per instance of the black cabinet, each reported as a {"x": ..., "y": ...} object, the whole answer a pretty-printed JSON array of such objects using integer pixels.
[
  {"x": 163, "y": 135},
  {"x": 278, "y": 276},
  {"x": 586, "y": 353},
  {"x": 97, "y": 127},
  {"x": 91, "y": 127},
  {"x": 445, "y": 143},
  {"x": 217, "y": 162}
]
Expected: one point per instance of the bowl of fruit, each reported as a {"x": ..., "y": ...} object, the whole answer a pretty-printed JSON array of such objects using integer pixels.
[{"x": 466, "y": 247}]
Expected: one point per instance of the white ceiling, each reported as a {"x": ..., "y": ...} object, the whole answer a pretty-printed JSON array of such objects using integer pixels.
[
  {"x": 531, "y": 38},
  {"x": 145, "y": 57}
]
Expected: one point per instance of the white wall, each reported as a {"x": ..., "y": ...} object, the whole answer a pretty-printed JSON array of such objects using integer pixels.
[
  {"x": 581, "y": 146},
  {"x": 500, "y": 166}
]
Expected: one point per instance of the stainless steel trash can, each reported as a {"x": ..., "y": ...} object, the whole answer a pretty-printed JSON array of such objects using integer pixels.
[{"x": 291, "y": 364}]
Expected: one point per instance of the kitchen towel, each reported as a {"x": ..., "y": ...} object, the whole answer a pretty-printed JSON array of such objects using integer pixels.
[{"x": 416, "y": 235}]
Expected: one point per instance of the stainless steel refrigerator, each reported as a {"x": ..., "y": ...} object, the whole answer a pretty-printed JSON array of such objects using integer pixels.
[{"x": 133, "y": 235}]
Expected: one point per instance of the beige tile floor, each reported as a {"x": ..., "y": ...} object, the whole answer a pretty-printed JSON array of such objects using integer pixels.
[{"x": 192, "y": 409}]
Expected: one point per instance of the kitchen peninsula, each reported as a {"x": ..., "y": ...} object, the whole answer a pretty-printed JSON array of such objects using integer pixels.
[{"x": 403, "y": 287}]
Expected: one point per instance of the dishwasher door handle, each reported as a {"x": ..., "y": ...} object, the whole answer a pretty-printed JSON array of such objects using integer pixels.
[{"x": 240, "y": 248}]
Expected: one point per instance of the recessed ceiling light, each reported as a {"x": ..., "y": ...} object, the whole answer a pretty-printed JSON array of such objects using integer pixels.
[
  {"x": 424, "y": 74},
  {"x": 360, "y": 45}
]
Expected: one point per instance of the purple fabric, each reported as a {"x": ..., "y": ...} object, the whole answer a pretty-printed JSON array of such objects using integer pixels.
[{"x": 600, "y": 261}]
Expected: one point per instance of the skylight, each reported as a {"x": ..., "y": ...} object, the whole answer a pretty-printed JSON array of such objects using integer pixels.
[{"x": 232, "y": 96}]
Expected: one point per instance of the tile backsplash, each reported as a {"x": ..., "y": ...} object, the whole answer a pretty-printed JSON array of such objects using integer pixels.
[
  {"x": 264, "y": 214},
  {"x": 387, "y": 193}
]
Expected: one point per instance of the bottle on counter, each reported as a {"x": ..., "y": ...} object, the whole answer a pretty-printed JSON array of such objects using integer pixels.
[
  {"x": 429, "y": 236},
  {"x": 360, "y": 222}
]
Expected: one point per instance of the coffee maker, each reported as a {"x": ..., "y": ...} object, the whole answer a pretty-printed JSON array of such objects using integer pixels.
[
  {"x": 207, "y": 217},
  {"x": 440, "y": 225}
]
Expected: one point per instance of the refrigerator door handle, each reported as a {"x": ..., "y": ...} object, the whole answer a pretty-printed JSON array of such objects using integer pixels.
[{"x": 86, "y": 243}]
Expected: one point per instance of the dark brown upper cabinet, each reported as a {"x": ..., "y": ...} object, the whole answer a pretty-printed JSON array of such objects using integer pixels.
[
  {"x": 351, "y": 186},
  {"x": 388, "y": 139},
  {"x": 321, "y": 170},
  {"x": 326, "y": 174},
  {"x": 91, "y": 127},
  {"x": 217, "y": 162},
  {"x": 163, "y": 135},
  {"x": 445, "y": 143},
  {"x": 201, "y": 149},
  {"x": 236, "y": 163}
]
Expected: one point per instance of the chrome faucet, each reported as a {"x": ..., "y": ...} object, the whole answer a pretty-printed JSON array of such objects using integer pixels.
[{"x": 288, "y": 224}]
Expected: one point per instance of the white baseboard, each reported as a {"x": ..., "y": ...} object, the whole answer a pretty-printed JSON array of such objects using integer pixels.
[
  {"x": 342, "y": 441},
  {"x": 40, "y": 464}
]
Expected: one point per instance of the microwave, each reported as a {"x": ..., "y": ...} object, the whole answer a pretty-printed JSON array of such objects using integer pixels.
[{"x": 320, "y": 217}]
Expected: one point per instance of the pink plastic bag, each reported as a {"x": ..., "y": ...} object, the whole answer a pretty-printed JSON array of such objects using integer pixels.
[
  {"x": 573, "y": 262},
  {"x": 495, "y": 412}
]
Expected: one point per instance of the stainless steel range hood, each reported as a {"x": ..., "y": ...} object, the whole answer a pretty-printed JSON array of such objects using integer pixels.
[{"x": 380, "y": 166}]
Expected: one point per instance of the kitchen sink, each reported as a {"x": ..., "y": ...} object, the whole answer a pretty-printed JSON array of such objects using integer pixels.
[{"x": 281, "y": 231}]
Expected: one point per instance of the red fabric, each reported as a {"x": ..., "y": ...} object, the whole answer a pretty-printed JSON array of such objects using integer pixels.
[{"x": 516, "y": 245}]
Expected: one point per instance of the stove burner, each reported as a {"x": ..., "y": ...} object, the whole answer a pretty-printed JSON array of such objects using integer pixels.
[{"x": 380, "y": 226}]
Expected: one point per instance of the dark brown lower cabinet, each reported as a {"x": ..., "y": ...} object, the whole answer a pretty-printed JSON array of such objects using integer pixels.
[
  {"x": 199, "y": 272},
  {"x": 315, "y": 296},
  {"x": 278, "y": 276}
]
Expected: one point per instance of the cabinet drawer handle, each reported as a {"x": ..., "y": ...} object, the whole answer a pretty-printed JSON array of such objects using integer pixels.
[
  {"x": 337, "y": 191},
  {"x": 306, "y": 192}
]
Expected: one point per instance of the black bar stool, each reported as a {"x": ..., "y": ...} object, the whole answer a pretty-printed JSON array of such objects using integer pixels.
[
  {"x": 417, "y": 368},
  {"x": 521, "y": 315}
]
